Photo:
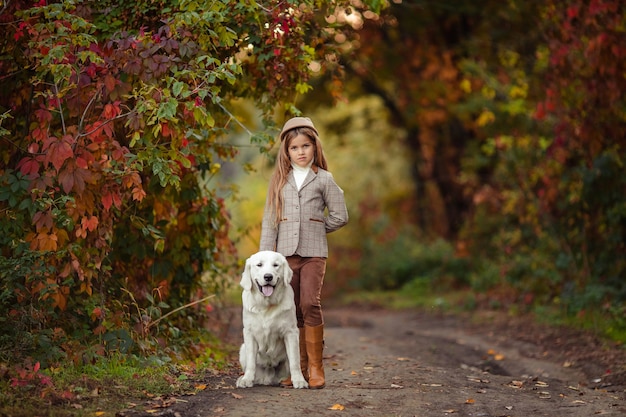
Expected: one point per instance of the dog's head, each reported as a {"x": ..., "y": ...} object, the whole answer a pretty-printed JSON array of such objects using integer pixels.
[{"x": 264, "y": 271}]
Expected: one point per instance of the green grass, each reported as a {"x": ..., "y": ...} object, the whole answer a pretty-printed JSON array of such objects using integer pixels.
[
  {"x": 104, "y": 387},
  {"x": 417, "y": 294}
]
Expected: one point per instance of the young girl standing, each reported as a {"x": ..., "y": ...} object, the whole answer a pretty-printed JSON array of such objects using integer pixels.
[{"x": 304, "y": 204}]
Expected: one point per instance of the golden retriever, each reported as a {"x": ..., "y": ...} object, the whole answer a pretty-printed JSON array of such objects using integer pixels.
[{"x": 271, "y": 350}]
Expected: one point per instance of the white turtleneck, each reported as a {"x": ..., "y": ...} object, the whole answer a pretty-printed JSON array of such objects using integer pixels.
[{"x": 300, "y": 173}]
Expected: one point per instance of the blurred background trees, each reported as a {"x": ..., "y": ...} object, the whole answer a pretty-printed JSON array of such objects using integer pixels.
[{"x": 480, "y": 146}]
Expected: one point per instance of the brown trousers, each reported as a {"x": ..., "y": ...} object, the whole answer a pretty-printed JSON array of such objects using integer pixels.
[{"x": 307, "y": 281}]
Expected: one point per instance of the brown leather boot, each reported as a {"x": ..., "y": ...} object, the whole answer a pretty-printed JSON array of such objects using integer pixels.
[
  {"x": 304, "y": 363},
  {"x": 314, "y": 349}
]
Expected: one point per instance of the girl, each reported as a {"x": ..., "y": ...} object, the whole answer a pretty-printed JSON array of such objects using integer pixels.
[{"x": 304, "y": 204}]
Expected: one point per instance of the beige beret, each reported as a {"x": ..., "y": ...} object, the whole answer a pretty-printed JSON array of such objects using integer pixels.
[{"x": 297, "y": 122}]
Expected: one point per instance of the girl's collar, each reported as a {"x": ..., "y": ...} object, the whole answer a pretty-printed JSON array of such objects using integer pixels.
[{"x": 301, "y": 169}]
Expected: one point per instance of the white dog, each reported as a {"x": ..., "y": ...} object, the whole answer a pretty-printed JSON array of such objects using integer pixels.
[{"x": 271, "y": 350}]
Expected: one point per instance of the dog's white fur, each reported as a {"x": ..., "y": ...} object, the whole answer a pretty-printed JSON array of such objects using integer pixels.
[{"x": 271, "y": 350}]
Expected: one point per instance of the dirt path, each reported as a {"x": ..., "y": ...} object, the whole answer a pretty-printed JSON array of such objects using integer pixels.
[{"x": 381, "y": 363}]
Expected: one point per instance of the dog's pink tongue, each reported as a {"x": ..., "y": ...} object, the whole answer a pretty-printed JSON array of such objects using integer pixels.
[{"x": 267, "y": 290}]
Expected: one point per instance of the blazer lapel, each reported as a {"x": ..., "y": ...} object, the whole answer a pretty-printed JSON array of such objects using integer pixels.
[
  {"x": 291, "y": 179},
  {"x": 309, "y": 177}
]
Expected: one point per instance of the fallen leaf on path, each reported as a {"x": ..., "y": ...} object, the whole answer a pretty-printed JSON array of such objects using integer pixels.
[
  {"x": 404, "y": 359},
  {"x": 353, "y": 373},
  {"x": 499, "y": 357},
  {"x": 470, "y": 401},
  {"x": 285, "y": 394},
  {"x": 541, "y": 384},
  {"x": 396, "y": 386},
  {"x": 515, "y": 384},
  {"x": 100, "y": 413},
  {"x": 432, "y": 385},
  {"x": 545, "y": 395},
  {"x": 236, "y": 396},
  {"x": 200, "y": 387},
  {"x": 509, "y": 407},
  {"x": 451, "y": 411},
  {"x": 337, "y": 407}
]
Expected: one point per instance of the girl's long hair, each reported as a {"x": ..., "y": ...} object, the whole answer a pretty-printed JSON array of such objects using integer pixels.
[{"x": 283, "y": 168}]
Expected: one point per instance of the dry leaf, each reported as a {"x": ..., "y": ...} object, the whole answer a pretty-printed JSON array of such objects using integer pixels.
[
  {"x": 200, "y": 387},
  {"x": 499, "y": 357},
  {"x": 515, "y": 384},
  {"x": 451, "y": 411},
  {"x": 100, "y": 413},
  {"x": 396, "y": 386},
  {"x": 337, "y": 407},
  {"x": 236, "y": 396},
  {"x": 353, "y": 373},
  {"x": 470, "y": 401},
  {"x": 403, "y": 359},
  {"x": 491, "y": 352}
]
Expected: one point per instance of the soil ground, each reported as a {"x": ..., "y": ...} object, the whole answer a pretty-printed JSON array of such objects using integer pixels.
[{"x": 412, "y": 363}]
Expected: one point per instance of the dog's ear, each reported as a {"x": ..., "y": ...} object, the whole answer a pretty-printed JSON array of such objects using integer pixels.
[
  {"x": 287, "y": 272},
  {"x": 246, "y": 278}
]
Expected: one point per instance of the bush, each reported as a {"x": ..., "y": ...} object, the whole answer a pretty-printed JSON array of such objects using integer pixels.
[{"x": 405, "y": 259}]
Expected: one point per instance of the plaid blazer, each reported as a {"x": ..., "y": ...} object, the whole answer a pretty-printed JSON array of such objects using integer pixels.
[{"x": 303, "y": 228}]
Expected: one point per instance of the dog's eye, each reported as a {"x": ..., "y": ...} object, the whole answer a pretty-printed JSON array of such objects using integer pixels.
[
  {"x": 259, "y": 264},
  {"x": 276, "y": 265}
]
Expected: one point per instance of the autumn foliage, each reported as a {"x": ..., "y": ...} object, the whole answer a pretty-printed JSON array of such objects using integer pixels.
[{"x": 113, "y": 118}]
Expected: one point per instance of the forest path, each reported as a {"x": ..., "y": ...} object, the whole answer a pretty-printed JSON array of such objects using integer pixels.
[{"x": 409, "y": 363}]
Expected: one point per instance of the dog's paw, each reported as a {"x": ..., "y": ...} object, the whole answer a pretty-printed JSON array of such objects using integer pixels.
[
  {"x": 243, "y": 382},
  {"x": 299, "y": 384}
]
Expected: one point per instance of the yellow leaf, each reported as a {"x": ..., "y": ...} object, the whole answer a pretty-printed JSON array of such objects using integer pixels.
[
  {"x": 337, "y": 407},
  {"x": 200, "y": 387},
  {"x": 353, "y": 373},
  {"x": 499, "y": 357},
  {"x": 100, "y": 413},
  {"x": 470, "y": 401},
  {"x": 466, "y": 85}
]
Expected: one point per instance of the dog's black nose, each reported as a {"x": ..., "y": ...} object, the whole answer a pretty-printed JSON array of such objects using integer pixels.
[{"x": 268, "y": 277}]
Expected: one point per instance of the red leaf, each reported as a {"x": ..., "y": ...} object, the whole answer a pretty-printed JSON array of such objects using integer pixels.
[
  {"x": 58, "y": 151},
  {"x": 89, "y": 223},
  {"x": 107, "y": 201},
  {"x": 138, "y": 194},
  {"x": 28, "y": 166},
  {"x": 109, "y": 82},
  {"x": 66, "y": 178}
]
